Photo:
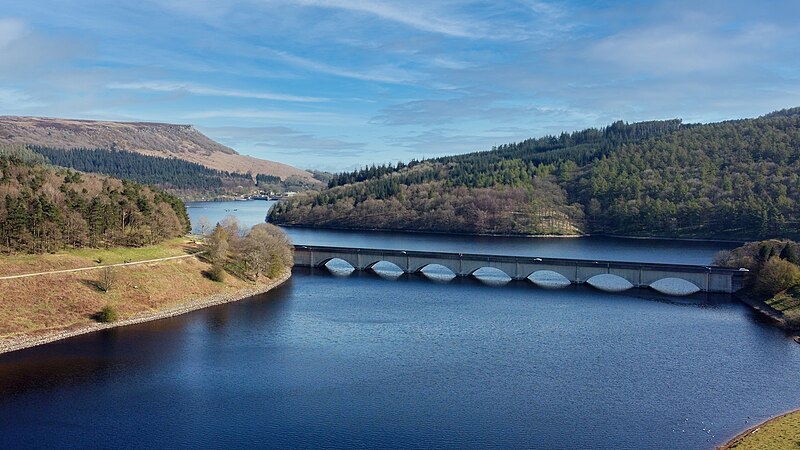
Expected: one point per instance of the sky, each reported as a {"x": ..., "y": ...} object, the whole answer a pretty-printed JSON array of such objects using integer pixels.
[{"x": 339, "y": 84}]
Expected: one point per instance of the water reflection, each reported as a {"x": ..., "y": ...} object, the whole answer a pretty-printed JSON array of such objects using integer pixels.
[
  {"x": 491, "y": 276},
  {"x": 387, "y": 270},
  {"x": 339, "y": 267},
  {"x": 675, "y": 286},
  {"x": 609, "y": 283},
  {"x": 549, "y": 279},
  {"x": 596, "y": 247},
  {"x": 438, "y": 273},
  {"x": 325, "y": 359}
]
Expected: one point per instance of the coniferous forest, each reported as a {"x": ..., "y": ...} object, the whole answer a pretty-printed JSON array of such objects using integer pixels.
[
  {"x": 43, "y": 208},
  {"x": 733, "y": 180},
  {"x": 175, "y": 175}
]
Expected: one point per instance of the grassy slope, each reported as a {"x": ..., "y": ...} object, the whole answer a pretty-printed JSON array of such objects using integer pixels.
[
  {"x": 777, "y": 434},
  {"x": 787, "y": 302},
  {"x": 86, "y": 257},
  {"x": 63, "y": 301}
]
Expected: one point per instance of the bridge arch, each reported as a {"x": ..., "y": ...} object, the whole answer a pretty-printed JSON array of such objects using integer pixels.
[
  {"x": 352, "y": 261},
  {"x": 609, "y": 282},
  {"x": 491, "y": 276},
  {"x": 338, "y": 266},
  {"x": 383, "y": 264},
  {"x": 437, "y": 272},
  {"x": 452, "y": 266},
  {"x": 675, "y": 286},
  {"x": 489, "y": 271},
  {"x": 548, "y": 279}
]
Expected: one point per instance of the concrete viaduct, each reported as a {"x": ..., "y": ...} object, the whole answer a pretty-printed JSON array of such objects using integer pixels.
[{"x": 576, "y": 271}]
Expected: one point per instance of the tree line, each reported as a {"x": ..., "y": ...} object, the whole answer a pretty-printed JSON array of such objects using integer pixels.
[
  {"x": 43, "y": 209},
  {"x": 737, "y": 180},
  {"x": 167, "y": 173}
]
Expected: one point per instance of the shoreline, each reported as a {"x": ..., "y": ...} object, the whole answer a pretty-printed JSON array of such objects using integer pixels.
[
  {"x": 46, "y": 337},
  {"x": 736, "y": 440},
  {"x": 512, "y": 235},
  {"x": 768, "y": 312}
]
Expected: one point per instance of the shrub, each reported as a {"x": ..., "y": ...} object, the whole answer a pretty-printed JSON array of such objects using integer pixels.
[
  {"x": 108, "y": 278},
  {"x": 217, "y": 273},
  {"x": 775, "y": 276},
  {"x": 107, "y": 314}
]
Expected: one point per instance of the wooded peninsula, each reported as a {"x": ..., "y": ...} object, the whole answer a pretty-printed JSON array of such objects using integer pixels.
[{"x": 736, "y": 180}]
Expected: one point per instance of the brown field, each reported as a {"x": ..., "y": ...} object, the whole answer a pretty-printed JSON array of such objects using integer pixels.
[{"x": 34, "y": 305}]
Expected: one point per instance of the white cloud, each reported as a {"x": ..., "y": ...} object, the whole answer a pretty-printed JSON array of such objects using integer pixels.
[
  {"x": 383, "y": 74},
  {"x": 14, "y": 100},
  {"x": 685, "y": 47},
  {"x": 407, "y": 14},
  {"x": 11, "y": 30},
  {"x": 167, "y": 86},
  {"x": 316, "y": 118}
]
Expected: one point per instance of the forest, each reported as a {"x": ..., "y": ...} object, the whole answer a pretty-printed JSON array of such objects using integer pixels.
[
  {"x": 182, "y": 178},
  {"x": 44, "y": 208},
  {"x": 733, "y": 180},
  {"x": 167, "y": 173}
]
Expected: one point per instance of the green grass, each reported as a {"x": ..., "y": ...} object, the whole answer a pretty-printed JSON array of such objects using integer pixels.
[
  {"x": 788, "y": 302},
  {"x": 173, "y": 247},
  {"x": 782, "y": 433}
]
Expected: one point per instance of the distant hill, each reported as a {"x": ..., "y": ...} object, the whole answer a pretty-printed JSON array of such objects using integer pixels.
[
  {"x": 155, "y": 139},
  {"x": 738, "y": 179}
]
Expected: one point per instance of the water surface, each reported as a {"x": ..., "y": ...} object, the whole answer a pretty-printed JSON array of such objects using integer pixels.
[
  {"x": 596, "y": 248},
  {"x": 331, "y": 361},
  {"x": 364, "y": 360}
]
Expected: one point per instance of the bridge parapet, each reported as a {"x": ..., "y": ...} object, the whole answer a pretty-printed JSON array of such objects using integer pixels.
[{"x": 706, "y": 278}]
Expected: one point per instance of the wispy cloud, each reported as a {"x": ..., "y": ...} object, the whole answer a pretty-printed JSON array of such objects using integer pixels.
[
  {"x": 467, "y": 106},
  {"x": 310, "y": 117},
  {"x": 684, "y": 48},
  {"x": 384, "y": 74},
  {"x": 415, "y": 16},
  {"x": 11, "y": 30},
  {"x": 285, "y": 140},
  {"x": 189, "y": 88},
  {"x": 13, "y": 100}
]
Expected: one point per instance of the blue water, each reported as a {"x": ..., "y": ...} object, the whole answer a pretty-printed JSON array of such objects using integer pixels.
[
  {"x": 250, "y": 213},
  {"x": 403, "y": 361},
  {"x": 361, "y": 361}
]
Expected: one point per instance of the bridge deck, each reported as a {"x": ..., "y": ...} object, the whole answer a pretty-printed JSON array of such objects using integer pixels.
[{"x": 639, "y": 274}]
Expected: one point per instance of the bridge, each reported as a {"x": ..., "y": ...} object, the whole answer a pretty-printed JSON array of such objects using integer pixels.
[{"x": 574, "y": 271}]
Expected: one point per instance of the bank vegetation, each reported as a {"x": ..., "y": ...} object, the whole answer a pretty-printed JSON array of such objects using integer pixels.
[{"x": 773, "y": 275}]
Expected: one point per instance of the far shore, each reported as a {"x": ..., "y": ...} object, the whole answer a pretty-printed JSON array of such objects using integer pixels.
[
  {"x": 44, "y": 337},
  {"x": 519, "y": 235}
]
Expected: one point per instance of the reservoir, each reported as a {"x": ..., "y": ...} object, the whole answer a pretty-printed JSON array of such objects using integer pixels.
[{"x": 367, "y": 360}]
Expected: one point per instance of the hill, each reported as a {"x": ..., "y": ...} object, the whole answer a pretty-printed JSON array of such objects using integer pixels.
[
  {"x": 733, "y": 180},
  {"x": 43, "y": 209},
  {"x": 154, "y": 139}
]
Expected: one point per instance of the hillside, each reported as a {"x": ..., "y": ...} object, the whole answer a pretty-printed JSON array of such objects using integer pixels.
[
  {"x": 44, "y": 209},
  {"x": 733, "y": 180},
  {"x": 155, "y": 139}
]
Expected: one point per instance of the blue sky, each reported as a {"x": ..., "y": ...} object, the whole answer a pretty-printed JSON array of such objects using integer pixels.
[{"x": 336, "y": 84}]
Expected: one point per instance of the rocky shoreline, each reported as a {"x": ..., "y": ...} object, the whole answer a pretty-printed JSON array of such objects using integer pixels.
[
  {"x": 768, "y": 312},
  {"x": 26, "y": 341}
]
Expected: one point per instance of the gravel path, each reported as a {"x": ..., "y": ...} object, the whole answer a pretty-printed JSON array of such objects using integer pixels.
[{"x": 81, "y": 269}]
